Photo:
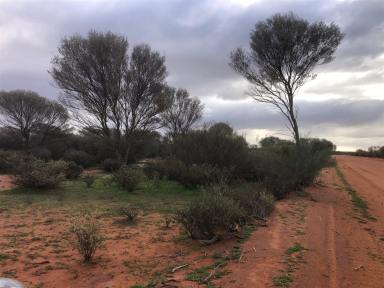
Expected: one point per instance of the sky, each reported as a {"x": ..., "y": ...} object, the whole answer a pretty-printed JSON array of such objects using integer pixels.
[{"x": 345, "y": 103}]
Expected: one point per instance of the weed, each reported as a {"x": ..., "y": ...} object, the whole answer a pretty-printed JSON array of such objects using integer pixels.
[
  {"x": 282, "y": 280},
  {"x": 295, "y": 248},
  {"x": 356, "y": 200}
]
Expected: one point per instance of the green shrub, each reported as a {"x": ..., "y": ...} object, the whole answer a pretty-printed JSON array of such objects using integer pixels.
[
  {"x": 11, "y": 160},
  {"x": 88, "y": 180},
  {"x": 41, "y": 153},
  {"x": 88, "y": 237},
  {"x": 254, "y": 199},
  {"x": 110, "y": 165},
  {"x": 128, "y": 178},
  {"x": 40, "y": 174},
  {"x": 73, "y": 170},
  {"x": 81, "y": 158},
  {"x": 210, "y": 215}
]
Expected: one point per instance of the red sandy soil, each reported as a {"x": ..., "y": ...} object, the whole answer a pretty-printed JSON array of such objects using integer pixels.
[
  {"x": 342, "y": 248},
  {"x": 6, "y": 182}
]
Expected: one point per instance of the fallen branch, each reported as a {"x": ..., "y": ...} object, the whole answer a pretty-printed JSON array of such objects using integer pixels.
[{"x": 179, "y": 267}]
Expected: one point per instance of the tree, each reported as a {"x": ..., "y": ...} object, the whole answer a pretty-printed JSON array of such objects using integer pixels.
[
  {"x": 111, "y": 94},
  {"x": 284, "y": 50},
  {"x": 182, "y": 112},
  {"x": 27, "y": 113}
]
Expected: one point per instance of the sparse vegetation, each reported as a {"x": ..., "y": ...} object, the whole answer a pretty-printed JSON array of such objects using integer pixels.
[{"x": 129, "y": 178}]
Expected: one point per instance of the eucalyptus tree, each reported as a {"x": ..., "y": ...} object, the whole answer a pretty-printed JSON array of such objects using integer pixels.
[
  {"x": 110, "y": 92},
  {"x": 27, "y": 113},
  {"x": 284, "y": 50}
]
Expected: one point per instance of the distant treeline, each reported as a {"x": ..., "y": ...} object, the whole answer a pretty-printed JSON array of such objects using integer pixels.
[{"x": 373, "y": 151}]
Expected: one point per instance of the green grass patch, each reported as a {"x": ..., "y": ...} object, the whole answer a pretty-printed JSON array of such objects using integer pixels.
[
  {"x": 295, "y": 248},
  {"x": 104, "y": 196},
  {"x": 357, "y": 201}
]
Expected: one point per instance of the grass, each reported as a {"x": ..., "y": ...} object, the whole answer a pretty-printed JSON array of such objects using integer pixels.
[
  {"x": 357, "y": 201},
  {"x": 295, "y": 248},
  {"x": 104, "y": 196},
  {"x": 283, "y": 280}
]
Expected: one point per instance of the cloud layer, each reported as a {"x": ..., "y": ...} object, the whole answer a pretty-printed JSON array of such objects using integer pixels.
[{"x": 344, "y": 103}]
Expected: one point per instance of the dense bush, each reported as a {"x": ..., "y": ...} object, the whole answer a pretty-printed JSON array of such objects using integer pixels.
[
  {"x": 110, "y": 165},
  {"x": 211, "y": 215},
  {"x": 286, "y": 167},
  {"x": 41, "y": 153},
  {"x": 217, "y": 146},
  {"x": 79, "y": 157},
  {"x": 128, "y": 178},
  {"x": 73, "y": 170},
  {"x": 374, "y": 151},
  {"x": 88, "y": 237},
  {"x": 190, "y": 176},
  {"x": 40, "y": 174},
  {"x": 11, "y": 160}
]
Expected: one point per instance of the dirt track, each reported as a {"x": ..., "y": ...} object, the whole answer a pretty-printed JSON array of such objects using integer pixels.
[{"x": 342, "y": 248}]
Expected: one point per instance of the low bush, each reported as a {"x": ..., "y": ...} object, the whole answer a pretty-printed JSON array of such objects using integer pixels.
[
  {"x": 88, "y": 180},
  {"x": 130, "y": 213},
  {"x": 110, "y": 165},
  {"x": 128, "y": 178},
  {"x": 40, "y": 174},
  {"x": 254, "y": 199},
  {"x": 41, "y": 153},
  {"x": 211, "y": 215},
  {"x": 88, "y": 237},
  {"x": 73, "y": 170},
  {"x": 81, "y": 158}
]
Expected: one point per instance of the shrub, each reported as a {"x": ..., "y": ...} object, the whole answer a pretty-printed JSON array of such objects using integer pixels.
[
  {"x": 128, "y": 178},
  {"x": 11, "y": 160},
  {"x": 40, "y": 174},
  {"x": 254, "y": 199},
  {"x": 73, "y": 170},
  {"x": 88, "y": 237},
  {"x": 110, "y": 165},
  {"x": 42, "y": 153},
  {"x": 79, "y": 157},
  {"x": 210, "y": 215},
  {"x": 130, "y": 213},
  {"x": 88, "y": 180}
]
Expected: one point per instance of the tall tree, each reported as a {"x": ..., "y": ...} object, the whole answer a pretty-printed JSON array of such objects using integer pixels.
[
  {"x": 284, "y": 50},
  {"x": 27, "y": 113},
  {"x": 182, "y": 112},
  {"x": 111, "y": 94}
]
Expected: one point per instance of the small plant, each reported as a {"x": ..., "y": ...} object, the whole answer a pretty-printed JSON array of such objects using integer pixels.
[
  {"x": 284, "y": 280},
  {"x": 168, "y": 220},
  {"x": 88, "y": 237},
  {"x": 129, "y": 178},
  {"x": 130, "y": 213},
  {"x": 295, "y": 248},
  {"x": 89, "y": 180}
]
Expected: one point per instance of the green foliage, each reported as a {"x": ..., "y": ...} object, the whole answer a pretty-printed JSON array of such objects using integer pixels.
[
  {"x": 110, "y": 165},
  {"x": 10, "y": 160},
  {"x": 128, "y": 178},
  {"x": 40, "y": 174},
  {"x": 285, "y": 167},
  {"x": 253, "y": 198},
  {"x": 217, "y": 147},
  {"x": 73, "y": 170},
  {"x": 81, "y": 158},
  {"x": 210, "y": 215},
  {"x": 88, "y": 237}
]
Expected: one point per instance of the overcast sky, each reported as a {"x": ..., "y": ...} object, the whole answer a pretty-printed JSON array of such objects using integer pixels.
[{"x": 345, "y": 103}]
